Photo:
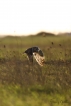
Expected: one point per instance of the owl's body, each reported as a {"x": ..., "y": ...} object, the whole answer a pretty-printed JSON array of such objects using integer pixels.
[{"x": 36, "y": 53}]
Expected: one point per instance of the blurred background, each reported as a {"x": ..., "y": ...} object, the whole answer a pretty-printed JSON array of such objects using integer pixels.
[{"x": 25, "y": 17}]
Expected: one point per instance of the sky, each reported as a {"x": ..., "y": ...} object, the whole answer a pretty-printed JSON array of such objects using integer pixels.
[{"x": 24, "y": 17}]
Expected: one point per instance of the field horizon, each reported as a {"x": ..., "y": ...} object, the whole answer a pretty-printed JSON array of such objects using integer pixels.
[{"x": 39, "y": 33}]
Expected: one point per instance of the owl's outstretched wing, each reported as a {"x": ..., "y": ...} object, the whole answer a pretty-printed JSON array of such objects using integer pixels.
[
  {"x": 37, "y": 53},
  {"x": 39, "y": 59}
]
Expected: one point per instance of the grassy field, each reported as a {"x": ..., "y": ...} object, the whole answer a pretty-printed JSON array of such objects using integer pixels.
[{"x": 24, "y": 84}]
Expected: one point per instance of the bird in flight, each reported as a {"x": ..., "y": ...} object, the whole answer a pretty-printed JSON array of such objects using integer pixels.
[{"x": 37, "y": 53}]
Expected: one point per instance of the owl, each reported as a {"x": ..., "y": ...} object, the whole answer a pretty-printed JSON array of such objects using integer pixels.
[{"x": 37, "y": 53}]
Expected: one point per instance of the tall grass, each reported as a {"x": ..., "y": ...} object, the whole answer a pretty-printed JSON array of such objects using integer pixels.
[{"x": 25, "y": 84}]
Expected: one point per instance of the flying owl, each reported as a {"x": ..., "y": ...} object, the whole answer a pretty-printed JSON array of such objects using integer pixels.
[{"x": 37, "y": 53}]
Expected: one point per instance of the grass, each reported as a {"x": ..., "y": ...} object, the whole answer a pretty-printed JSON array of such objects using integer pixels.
[
  {"x": 24, "y": 84},
  {"x": 19, "y": 96}
]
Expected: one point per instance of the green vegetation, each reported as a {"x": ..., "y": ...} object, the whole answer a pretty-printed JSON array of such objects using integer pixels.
[{"x": 26, "y": 84}]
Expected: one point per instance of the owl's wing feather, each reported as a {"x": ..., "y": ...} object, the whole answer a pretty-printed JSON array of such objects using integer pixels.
[
  {"x": 40, "y": 52},
  {"x": 39, "y": 59},
  {"x": 30, "y": 57}
]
